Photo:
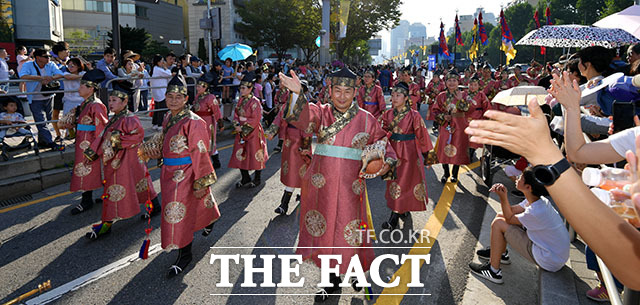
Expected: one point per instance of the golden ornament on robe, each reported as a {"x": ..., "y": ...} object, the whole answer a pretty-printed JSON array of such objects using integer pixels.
[{"x": 149, "y": 149}]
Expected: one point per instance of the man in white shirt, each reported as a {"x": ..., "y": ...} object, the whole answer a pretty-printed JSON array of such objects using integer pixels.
[{"x": 4, "y": 70}]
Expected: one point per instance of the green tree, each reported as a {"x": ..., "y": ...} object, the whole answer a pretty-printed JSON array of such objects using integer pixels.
[
  {"x": 202, "y": 51},
  {"x": 6, "y": 32},
  {"x": 366, "y": 17},
  {"x": 614, "y": 6},
  {"x": 134, "y": 39},
  {"x": 590, "y": 10},
  {"x": 270, "y": 23},
  {"x": 152, "y": 48},
  {"x": 308, "y": 27},
  {"x": 81, "y": 43}
]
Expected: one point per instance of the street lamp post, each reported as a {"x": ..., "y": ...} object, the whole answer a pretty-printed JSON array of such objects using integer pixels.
[{"x": 115, "y": 25}]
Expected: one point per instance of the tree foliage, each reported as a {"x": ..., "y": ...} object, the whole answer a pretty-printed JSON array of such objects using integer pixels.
[
  {"x": 6, "y": 32},
  {"x": 139, "y": 41},
  {"x": 309, "y": 19}
]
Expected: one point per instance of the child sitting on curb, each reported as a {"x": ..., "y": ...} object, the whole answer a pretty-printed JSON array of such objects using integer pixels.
[{"x": 533, "y": 228}]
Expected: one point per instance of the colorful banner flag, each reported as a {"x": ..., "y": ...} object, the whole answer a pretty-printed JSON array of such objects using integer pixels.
[
  {"x": 507, "y": 39},
  {"x": 537, "y": 20},
  {"x": 473, "y": 51},
  {"x": 444, "y": 48},
  {"x": 482, "y": 32},
  {"x": 547, "y": 13},
  {"x": 344, "y": 17},
  {"x": 458, "y": 33}
]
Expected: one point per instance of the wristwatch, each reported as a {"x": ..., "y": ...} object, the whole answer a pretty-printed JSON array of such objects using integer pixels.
[{"x": 548, "y": 174}]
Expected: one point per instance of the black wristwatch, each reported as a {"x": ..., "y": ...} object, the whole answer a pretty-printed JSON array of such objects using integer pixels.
[{"x": 548, "y": 174}]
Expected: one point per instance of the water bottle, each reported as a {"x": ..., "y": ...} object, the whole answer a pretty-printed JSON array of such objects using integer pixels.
[
  {"x": 619, "y": 201},
  {"x": 607, "y": 178}
]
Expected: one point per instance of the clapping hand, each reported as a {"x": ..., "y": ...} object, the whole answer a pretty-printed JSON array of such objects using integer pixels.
[
  {"x": 632, "y": 166},
  {"x": 292, "y": 83}
]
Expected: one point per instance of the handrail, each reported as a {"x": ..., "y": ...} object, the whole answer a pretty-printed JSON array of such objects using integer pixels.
[{"x": 609, "y": 284}]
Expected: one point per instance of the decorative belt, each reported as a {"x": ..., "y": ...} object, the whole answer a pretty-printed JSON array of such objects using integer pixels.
[
  {"x": 338, "y": 152},
  {"x": 176, "y": 161},
  {"x": 402, "y": 137},
  {"x": 83, "y": 127},
  {"x": 291, "y": 126},
  {"x": 370, "y": 103}
]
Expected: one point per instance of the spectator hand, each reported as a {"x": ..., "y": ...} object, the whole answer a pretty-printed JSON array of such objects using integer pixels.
[
  {"x": 499, "y": 189},
  {"x": 508, "y": 131},
  {"x": 636, "y": 121},
  {"x": 565, "y": 91},
  {"x": 632, "y": 160}
]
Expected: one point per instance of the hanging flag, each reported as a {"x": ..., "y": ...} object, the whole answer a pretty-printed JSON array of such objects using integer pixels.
[
  {"x": 458, "y": 33},
  {"x": 473, "y": 51},
  {"x": 547, "y": 13},
  {"x": 507, "y": 39},
  {"x": 444, "y": 48},
  {"x": 482, "y": 32},
  {"x": 537, "y": 20},
  {"x": 344, "y": 17}
]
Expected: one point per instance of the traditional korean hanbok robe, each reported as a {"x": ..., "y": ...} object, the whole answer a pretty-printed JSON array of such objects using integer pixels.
[
  {"x": 491, "y": 87},
  {"x": 250, "y": 146},
  {"x": 414, "y": 95},
  {"x": 332, "y": 207},
  {"x": 453, "y": 142},
  {"x": 324, "y": 95},
  {"x": 208, "y": 108},
  {"x": 281, "y": 97},
  {"x": 409, "y": 138},
  {"x": 432, "y": 91},
  {"x": 372, "y": 100},
  {"x": 186, "y": 167},
  {"x": 293, "y": 165},
  {"x": 91, "y": 117},
  {"x": 127, "y": 184},
  {"x": 478, "y": 105}
]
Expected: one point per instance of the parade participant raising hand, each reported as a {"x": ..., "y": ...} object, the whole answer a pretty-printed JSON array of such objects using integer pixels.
[{"x": 610, "y": 236}]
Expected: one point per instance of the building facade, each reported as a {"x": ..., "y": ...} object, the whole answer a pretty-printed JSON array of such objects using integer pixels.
[
  {"x": 164, "y": 21},
  {"x": 398, "y": 35}
]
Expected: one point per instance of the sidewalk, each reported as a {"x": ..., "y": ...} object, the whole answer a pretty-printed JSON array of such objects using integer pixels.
[{"x": 524, "y": 283}]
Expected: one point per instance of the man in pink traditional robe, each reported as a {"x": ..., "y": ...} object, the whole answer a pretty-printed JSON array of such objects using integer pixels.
[
  {"x": 250, "y": 146},
  {"x": 89, "y": 118},
  {"x": 127, "y": 180},
  {"x": 450, "y": 108},
  {"x": 281, "y": 98},
  {"x": 332, "y": 210},
  {"x": 207, "y": 107},
  {"x": 410, "y": 140},
  {"x": 370, "y": 97}
]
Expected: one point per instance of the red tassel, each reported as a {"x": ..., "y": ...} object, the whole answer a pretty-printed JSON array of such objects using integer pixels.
[{"x": 144, "y": 250}]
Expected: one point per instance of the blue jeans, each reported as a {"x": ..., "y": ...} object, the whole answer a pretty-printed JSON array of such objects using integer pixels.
[
  {"x": 20, "y": 132},
  {"x": 41, "y": 109},
  {"x": 592, "y": 264},
  {"x": 144, "y": 100}
]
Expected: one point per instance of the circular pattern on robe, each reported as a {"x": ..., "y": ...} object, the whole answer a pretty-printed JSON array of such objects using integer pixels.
[
  {"x": 142, "y": 185},
  {"x": 450, "y": 150},
  {"x": 259, "y": 155},
  {"x": 360, "y": 140},
  {"x": 310, "y": 127},
  {"x": 303, "y": 170},
  {"x": 116, "y": 192},
  {"x": 115, "y": 164},
  {"x": 352, "y": 233},
  {"x": 84, "y": 145},
  {"x": 201, "y": 147},
  {"x": 209, "y": 201},
  {"x": 174, "y": 212},
  {"x": 397, "y": 129},
  {"x": 315, "y": 223},
  {"x": 178, "y": 143},
  {"x": 285, "y": 167},
  {"x": 178, "y": 176},
  {"x": 86, "y": 120},
  {"x": 318, "y": 180},
  {"x": 107, "y": 150},
  {"x": 394, "y": 190},
  {"x": 420, "y": 192},
  {"x": 239, "y": 155},
  {"x": 357, "y": 186},
  {"x": 82, "y": 169}
]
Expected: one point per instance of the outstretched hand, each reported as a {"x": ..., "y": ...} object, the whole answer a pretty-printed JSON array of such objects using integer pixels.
[
  {"x": 565, "y": 91},
  {"x": 292, "y": 83}
]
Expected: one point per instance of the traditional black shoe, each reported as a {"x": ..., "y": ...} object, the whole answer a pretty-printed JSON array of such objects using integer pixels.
[
  {"x": 207, "y": 230},
  {"x": 183, "y": 260},
  {"x": 444, "y": 179},
  {"x": 298, "y": 198},
  {"x": 215, "y": 160},
  {"x": 284, "y": 203},
  {"x": 323, "y": 294},
  {"x": 99, "y": 200},
  {"x": 454, "y": 179},
  {"x": 404, "y": 215},
  {"x": 392, "y": 223},
  {"x": 241, "y": 184},
  {"x": 277, "y": 149},
  {"x": 354, "y": 284},
  {"x": 82, "y": 207}
]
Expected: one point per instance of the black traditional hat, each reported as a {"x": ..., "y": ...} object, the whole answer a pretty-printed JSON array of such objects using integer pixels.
[
  {"x": 248, "y": 80},
  {"x": 370, "y": 72},
  {"x": 343, "y": 77},
  {"x": 474, "y": 78},
  {"x": 93, "y": 78},
  {"x": 122, "y": 90},
  {"x": 204, "y": 80},
  {"x": 453, "y": 74},
  {"x": 401, "y": 87},
  {"x": 177, "y": 84}
]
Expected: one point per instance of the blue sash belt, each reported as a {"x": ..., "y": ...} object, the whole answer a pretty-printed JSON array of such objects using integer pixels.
[
  {"x": 176, "y": 161},
  {"x": 370, "y": 103},
  {"x": 338, "y": 152},
  {"x": 402, "y": 137},
  {"x": 82, "y": 127}
]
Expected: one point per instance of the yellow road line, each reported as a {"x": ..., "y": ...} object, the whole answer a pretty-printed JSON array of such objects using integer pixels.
[
  {"x": 395, "y": 295},
  {"x": 22, "y": 205}
]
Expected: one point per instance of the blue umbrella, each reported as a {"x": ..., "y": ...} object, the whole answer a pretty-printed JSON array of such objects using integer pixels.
[{"x": 235, "y": 51}]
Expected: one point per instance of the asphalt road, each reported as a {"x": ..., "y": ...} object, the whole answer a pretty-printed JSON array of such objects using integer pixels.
[{"x": 43, "y": 242}]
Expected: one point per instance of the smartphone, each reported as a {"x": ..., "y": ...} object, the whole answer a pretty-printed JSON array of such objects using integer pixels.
[{"x": 623, "y": 113}]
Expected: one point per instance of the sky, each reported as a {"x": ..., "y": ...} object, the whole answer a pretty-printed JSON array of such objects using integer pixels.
[{"x": 429, "y": 13}]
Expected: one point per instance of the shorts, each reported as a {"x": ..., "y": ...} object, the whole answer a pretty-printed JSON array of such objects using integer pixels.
[
  {"x": 227, "y": 81},
  {"x": 58, "y": 104},
  {"x": 519, "y": 241}
]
